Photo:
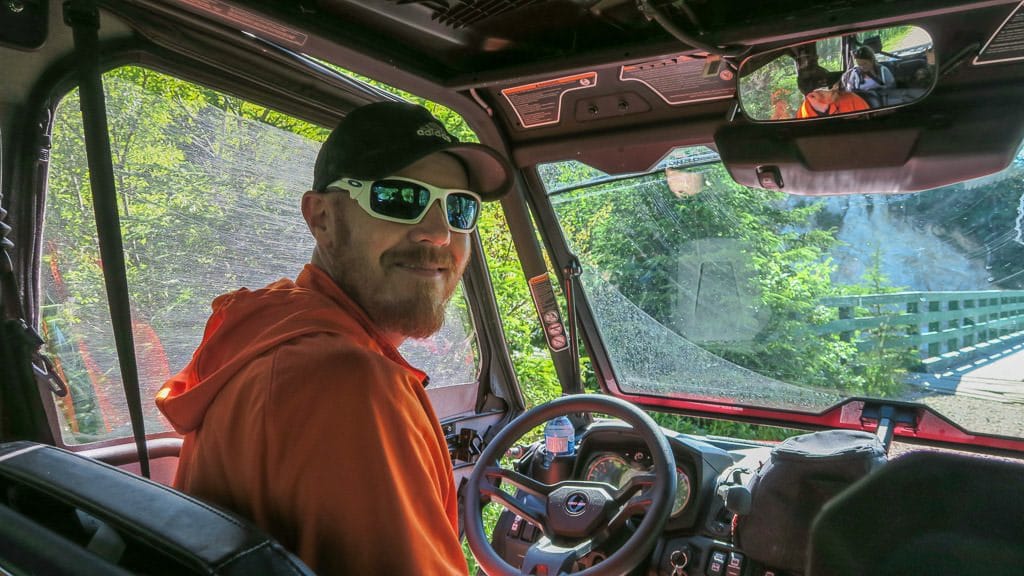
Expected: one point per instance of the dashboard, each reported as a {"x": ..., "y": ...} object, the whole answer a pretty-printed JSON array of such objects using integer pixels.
[{"x": 698, "y": 531}]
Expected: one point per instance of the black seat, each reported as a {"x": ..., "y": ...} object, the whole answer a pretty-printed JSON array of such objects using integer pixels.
[
  {"x": 925, "y": 513},
  {"x": 61, "y": 513}
]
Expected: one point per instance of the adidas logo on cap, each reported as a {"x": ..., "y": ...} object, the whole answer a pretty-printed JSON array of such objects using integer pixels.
[{"x": 434, "y": 129}]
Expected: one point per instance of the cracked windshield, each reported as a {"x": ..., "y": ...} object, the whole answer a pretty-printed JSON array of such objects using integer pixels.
[{"x": 705, "y": 289}]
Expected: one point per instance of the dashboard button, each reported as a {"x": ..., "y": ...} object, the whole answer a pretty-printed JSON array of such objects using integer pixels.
[
  {"x": 735, "y": 567},
  {"x": 517, "y": 525},
  {"x": 529, "y": 531},
  {"x": 716, "y": 564}
]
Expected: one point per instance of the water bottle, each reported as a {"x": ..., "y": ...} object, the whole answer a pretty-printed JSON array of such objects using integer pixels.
[{"x": 559, "y": 437}]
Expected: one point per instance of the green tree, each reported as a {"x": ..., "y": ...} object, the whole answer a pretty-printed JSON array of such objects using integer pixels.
[{"x": 881, "y": 368}]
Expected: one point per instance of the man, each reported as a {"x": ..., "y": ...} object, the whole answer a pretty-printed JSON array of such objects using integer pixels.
[
  {"x": 828, "y": 101},
  {"x": 298, "y": 410}
]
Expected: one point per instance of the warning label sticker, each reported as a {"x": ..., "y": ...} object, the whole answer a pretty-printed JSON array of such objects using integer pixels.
[
  {"x": 540, "y": 103},
  {"x": 250, "y": 22},
  {"x": 1007, "y": 44},
  {"x": 683, "y": 79},
  {"x": 547, "y": 309}
]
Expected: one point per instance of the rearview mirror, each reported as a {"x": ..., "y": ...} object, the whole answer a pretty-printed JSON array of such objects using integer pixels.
[{"x": 841, "y": 75}]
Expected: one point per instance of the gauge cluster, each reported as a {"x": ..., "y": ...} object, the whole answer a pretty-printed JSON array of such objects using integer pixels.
[
  {"x": 617, "y": 469},
  {"x": 612, "y": 453}
]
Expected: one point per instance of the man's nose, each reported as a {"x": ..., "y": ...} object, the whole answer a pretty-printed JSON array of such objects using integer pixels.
[{"x": 434, "y": 226}]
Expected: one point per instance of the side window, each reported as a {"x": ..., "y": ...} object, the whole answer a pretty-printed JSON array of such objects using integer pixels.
[{"x": 208, "y": 189}]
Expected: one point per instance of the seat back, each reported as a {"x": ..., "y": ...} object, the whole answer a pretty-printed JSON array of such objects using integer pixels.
[
  {"x": 110, "y": 521},
  {"x": 925, "y": 513}
]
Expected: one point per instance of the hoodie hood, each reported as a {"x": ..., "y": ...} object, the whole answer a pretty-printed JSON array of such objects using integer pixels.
[{"x": 248, "y": 323}]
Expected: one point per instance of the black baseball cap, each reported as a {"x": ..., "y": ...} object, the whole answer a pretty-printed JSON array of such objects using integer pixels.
[
  {"x": 379, "y": 139},
  {"x": 812, "y": 78}
]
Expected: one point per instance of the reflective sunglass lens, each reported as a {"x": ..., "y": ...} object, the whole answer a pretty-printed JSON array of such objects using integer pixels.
[
  {"x": 463, "y": 211},
  {"x": 403, "y": 200}
]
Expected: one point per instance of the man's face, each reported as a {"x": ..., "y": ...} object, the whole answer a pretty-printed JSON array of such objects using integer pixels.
[
  {"x": 402, "y": 275},
  {"x": 821, "y": 98}
]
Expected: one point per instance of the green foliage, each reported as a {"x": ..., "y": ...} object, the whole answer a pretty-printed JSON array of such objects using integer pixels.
[
  {"x": 771, "y": 92},
  {"x": 891, "y": 37},
  {"x": 186, "y": 160},
  {"x": 633, "y": 234},
  {"x": 724, "y": 428},
  {"x": 974, "y": 216}
]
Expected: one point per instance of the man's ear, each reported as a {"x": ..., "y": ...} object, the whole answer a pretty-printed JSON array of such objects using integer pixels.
[{"x": 316, "y": 213}]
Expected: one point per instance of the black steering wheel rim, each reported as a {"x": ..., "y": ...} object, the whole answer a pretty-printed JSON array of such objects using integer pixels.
[{"x": 662, "y": 490}]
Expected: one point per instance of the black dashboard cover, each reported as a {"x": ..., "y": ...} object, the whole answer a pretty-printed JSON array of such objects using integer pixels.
[{"x": 788, "y": 491}]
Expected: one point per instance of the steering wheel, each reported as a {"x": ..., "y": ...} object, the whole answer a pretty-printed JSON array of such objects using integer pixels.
[{"x": 575, "y": 516}]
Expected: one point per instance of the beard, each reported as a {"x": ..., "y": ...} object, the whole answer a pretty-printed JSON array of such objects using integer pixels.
[
  {"x": 399, "y": 303},
  {"x": 418, "y": 315},
  {"x": 419, "y": 310}
]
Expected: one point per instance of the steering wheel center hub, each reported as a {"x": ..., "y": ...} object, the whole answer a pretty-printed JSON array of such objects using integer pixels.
[{"x": 575, "y": 511}]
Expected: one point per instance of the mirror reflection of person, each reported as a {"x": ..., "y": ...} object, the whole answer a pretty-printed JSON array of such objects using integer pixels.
[
  {"x": 828, "y": 101},
  {"x": 867, "y": 78}
]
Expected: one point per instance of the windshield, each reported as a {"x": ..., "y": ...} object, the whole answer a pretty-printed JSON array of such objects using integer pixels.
[{"x": 704, "y": 289}]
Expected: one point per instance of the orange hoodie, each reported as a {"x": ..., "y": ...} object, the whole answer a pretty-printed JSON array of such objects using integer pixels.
[
  {"x": 299, "y": 414},
  {"x": 845, "y": 102}
]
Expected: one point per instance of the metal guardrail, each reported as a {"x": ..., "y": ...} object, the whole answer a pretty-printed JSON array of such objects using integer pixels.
[{"x": 945, "y": 327}]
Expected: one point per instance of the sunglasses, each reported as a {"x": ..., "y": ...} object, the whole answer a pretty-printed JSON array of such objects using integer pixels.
[{"x": 406, "y": 201}]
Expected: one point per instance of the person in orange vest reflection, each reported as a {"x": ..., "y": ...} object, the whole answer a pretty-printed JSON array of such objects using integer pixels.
[{"x": 828, "y": 101}]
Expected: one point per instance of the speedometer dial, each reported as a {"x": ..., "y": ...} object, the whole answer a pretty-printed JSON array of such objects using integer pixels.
[
  {"x": 609, "y": 468},
  {"x": 682, "y": 491},
  {"x": 613, "y": 469}
]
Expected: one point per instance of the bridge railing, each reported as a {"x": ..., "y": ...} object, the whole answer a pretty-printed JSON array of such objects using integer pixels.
[{"x": 945, "y": 327}]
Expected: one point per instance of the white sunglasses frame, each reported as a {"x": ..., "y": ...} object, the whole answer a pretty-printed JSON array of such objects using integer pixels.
[{"x": 357, "y": 190}]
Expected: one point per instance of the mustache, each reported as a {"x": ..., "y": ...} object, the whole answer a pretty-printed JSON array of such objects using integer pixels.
[{"x": 421, "y": 256}]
